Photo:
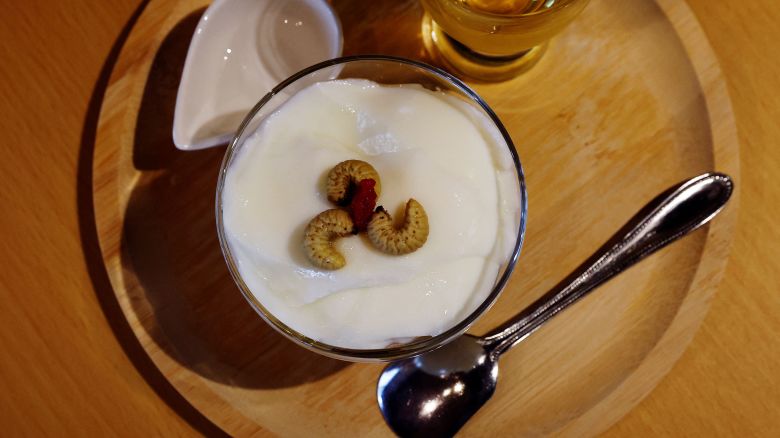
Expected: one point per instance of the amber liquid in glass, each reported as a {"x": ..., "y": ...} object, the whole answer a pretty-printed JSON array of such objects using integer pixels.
[{"x": 494, "y": 40}]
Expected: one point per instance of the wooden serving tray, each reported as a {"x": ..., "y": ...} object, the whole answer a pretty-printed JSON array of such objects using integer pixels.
[{"x": 627, "y": 101}]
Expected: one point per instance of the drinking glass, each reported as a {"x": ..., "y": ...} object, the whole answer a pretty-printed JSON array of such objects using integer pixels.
[{"x": 493, "y": 40}]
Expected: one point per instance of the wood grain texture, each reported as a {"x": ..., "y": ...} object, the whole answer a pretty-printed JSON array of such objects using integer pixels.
[
  {"x": 65, "y": 368},
  {"x": 69, "y": 366},
  {"x": 627, "y": 91},
  {"x": 728, "y": 381}
]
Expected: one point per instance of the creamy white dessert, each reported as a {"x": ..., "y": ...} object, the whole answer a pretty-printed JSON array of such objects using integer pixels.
[{"x": 426, "y": 145}]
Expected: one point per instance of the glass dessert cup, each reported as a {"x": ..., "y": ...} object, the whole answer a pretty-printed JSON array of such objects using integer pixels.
[
  {"x": 492, "y": 45},
  {"x": 387, "y": 71}
]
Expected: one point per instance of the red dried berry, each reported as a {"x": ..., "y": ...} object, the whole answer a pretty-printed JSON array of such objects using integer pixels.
[{"x": 362, "y": 204}]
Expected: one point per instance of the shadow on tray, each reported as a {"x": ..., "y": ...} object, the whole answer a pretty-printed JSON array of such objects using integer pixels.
[
  {"x": 386, "y": 27},
  {"x": 173, "y": 265},
  {"x": 171, "y": 255},
  {"x": 94, "y": 260}
]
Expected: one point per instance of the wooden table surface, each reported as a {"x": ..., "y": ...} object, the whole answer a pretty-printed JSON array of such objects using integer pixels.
[{"x": 70, "y": 365}]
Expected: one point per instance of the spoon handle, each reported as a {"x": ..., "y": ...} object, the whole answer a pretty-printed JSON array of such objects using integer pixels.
[{"x": 671, "y": 215}]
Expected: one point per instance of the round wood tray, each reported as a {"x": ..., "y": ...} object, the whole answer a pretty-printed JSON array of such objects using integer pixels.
[{"x": 627, "y": 101}]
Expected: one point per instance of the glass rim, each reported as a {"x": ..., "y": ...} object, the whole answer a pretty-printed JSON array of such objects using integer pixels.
[
  {"x": 415, "y": 347},
  {"x": 514, "y": 18}
]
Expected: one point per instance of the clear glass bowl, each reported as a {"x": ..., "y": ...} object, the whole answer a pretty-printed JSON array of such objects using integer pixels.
[{"x": 384, "y": 70}]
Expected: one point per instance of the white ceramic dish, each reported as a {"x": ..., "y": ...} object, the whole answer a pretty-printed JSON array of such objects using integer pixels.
[{"x": 240, "y": 50}]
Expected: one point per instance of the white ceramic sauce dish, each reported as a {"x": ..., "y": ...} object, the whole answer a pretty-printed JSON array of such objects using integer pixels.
[{"x": 239, "y": 51}]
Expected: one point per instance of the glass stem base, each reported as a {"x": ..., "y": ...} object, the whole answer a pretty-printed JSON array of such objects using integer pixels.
[{"x": 464, "y": 62}]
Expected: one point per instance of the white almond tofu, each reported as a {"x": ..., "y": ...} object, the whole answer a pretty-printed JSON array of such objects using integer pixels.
[{"x": 425, "y": 145}]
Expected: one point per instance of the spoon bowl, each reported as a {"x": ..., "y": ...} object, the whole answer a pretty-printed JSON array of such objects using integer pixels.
[{"x": 446, "y": 387}]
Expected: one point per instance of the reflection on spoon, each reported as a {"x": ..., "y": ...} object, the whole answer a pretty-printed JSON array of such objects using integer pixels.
[{"x": 434, "y": 394}]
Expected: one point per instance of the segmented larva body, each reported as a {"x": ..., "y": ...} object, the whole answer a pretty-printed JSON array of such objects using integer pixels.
[
  {"x": 321, "y": 233},
  {"x": 347, "y": 174},
  {"x": 397, "y": 241}
]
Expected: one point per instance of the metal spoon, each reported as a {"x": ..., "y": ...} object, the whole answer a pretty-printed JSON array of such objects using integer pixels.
[{"x": 434, "y": 394}]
